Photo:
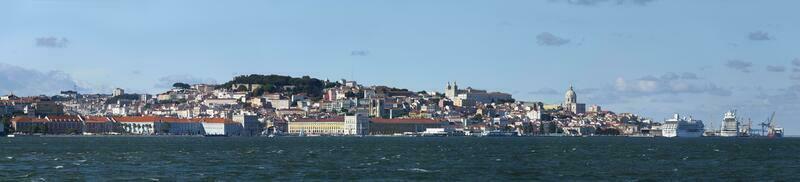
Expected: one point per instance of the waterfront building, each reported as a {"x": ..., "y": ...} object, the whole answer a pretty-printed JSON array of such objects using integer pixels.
[
  {"x": 63, "y": 124},
  {"x": 220, "y": 127},
  {"x": 139, "y": 125},
  {"x": 250, "y": 124},
  {"x": 29, "y": 125},
  {"x": 179, "y": 126},
  {"x": 97, "y": 124},
  {"x": 356, "y": 125},
  {"x": 317, "y": 126},
  {"x": 347, "y": 125}
]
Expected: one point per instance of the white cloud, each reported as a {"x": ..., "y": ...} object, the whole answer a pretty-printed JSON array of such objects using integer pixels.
[
  {"x": 668, "y": 83},
  {"x": 22, "y": 81},
  {"x": 52, "y": 42},
  {"x": 548, "y": 39}
]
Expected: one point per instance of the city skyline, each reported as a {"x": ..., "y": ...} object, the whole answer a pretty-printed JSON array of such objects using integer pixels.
[{"x": 700, "y": 62}]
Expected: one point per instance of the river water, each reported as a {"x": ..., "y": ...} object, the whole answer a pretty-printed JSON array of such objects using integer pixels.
[{"x": 396, "y": 159}]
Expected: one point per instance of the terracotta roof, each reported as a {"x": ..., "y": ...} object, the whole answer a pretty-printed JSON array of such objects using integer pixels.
[
  {"x": 28, "y": 119},
  {"x": 95, "y": 119},
  {"x": 336, "y": 119},
  {"x": 63, "y": 118},
  {"x": 215, "y": 120},
  {"x": 137, "y": 119},
  {"x": 405, "y": 121},
  {"x": 180, "y": 120}
]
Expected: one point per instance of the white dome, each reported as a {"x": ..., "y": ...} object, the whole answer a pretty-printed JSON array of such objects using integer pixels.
[{"x": 571, "y": 97}]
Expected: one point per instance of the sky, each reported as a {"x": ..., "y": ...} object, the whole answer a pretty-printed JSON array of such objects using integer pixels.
[{"x": 650, "y": 57}]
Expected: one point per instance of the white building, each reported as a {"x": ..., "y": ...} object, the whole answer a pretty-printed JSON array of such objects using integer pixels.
[
  {"x": 118, "y": 92},
  {"x": 139, "y": 125},
  {"x": 280, "y": 103},
  {"x": 214, "y": 127},
  {"x": 470, "y": 96},
  {"x": 571, "y": 102},
  {"x": 356, "y": 125}
]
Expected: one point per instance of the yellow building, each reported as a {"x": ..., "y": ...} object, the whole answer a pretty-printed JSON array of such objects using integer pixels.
[{"x": 349, "y": 125}]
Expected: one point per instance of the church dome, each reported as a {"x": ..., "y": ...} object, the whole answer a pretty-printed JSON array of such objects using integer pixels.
[{"x": 571, "y": 97}]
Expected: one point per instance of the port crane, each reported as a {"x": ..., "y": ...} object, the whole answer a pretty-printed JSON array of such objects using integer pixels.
[{"x": 769, "y": 127}]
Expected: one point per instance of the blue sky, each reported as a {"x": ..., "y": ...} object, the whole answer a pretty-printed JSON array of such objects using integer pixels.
[{"x": 652, "y": 57}]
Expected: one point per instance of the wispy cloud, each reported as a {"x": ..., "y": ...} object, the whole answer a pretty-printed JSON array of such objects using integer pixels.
[
  {"x": 604, "y": 2},
  {"x": 359, "y": 53},
  {"x": 544, "y": 91},
  {"x": 778, "y": 69},
  {"x": 52, "y": 42},
  {"x": 689, "y": 76},
  {"x": 739, "y": 65},
  {"x": 759, "y": 36},
  {"x": 669, "y": 83},
  {"x": 548, "y": 39}
]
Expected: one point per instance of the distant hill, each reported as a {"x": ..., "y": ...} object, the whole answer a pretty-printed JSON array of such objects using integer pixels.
[{"x": 312, "y": 87}]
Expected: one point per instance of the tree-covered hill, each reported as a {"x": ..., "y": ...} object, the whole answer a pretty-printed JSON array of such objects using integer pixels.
[{"x": 312, "y": 87}]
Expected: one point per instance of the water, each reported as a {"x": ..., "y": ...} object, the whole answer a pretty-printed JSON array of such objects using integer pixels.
[{"x": 396, "y": 159}]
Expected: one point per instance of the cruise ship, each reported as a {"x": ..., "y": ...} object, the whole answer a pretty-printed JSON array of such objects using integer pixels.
[
  {"x": 682, "y": 127},
  {"x": 730, "y": 125}
]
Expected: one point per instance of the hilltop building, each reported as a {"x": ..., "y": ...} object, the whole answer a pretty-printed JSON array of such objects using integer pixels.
[
  {"x": 118, "y": 92},
  {"x": 571, "y": 102},
  {"x": 471, "y": 97}
]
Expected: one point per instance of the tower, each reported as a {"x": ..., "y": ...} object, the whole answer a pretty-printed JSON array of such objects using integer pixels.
[
  {"x": 571, "y": 102},
  {"x": 451, "y": 91},
  {"x": 570, "y": 97}
]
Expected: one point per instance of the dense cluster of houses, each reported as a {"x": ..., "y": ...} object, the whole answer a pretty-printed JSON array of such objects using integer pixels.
[{"x": 342, "y": 108}]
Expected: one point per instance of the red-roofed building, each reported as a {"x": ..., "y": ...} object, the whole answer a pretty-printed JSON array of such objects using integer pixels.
[
  {"x": 140, "y": 125},
  {"x": 180, "y": 126},
  {"x": 64, "y": 124},
  {"x": 29, "y": 125},
  {"x": 97, "y": 124}
]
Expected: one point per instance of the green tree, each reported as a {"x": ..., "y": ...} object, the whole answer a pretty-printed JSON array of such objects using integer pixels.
[
  {"x": 181, "y": 85},
  {"x": 242, "y": 88}
]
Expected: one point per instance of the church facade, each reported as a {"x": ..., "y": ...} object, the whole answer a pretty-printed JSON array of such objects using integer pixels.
[{"x": 571, "y": 102}]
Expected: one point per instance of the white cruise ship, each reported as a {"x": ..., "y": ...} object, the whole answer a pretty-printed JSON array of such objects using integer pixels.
[
  {"x": 730, "y": 125},
  {"x": 682, "y": 127}
]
